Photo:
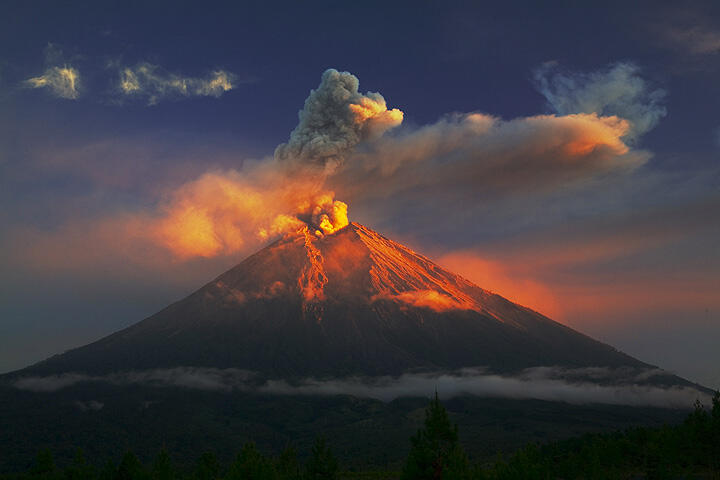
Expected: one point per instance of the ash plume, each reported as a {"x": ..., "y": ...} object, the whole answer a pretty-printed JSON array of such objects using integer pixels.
[
  {"x": 222, "y": 211},
  {"x": 335, "y": 118}
]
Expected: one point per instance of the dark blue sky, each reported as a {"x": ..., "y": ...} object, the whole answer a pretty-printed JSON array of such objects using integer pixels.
[{"x": 70, "y": 161}]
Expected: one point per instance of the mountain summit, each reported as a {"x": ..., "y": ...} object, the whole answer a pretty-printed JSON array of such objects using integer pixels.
[{"x": 349, "y": 303}]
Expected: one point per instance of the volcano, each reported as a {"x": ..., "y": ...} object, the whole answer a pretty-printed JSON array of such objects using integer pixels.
[
  {"x": 349, "y": 303},
  {"x": 350, "y": 310}
]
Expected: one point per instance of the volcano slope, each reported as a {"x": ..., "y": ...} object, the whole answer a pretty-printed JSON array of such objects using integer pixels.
[{"x": 349, "y": 303}]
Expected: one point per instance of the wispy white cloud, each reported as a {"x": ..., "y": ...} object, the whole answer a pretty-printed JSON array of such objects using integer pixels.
[
  {"x": 63, "y": 82},
  {"x": 697, "y": 39},
  {"x": 153, "y": 83}
]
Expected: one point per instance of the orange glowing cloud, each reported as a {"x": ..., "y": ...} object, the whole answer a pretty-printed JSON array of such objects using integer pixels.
[
  {"x": 220, "y": 212},
  {"x": 190, "y": 231},
  {"x": 588, "y": 132},
  {"x": 216, "y": 213},
  {"x": 430, "y": 299},
  {"x": 372, "y": 113},
  {"x": 602, "y": 272},
  {"x": 505, "y": 279}
]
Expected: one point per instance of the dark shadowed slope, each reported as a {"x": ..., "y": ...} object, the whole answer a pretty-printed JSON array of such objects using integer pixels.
[{"x": 352, "y": 302}]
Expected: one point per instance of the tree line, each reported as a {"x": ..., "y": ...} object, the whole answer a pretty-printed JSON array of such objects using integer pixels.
[{"x": 687, "y": 450}]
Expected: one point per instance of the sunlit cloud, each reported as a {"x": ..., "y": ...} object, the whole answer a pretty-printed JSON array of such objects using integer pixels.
[
  {"x": 220, "y": 212},
  {"x": 617, "y": 90},
  {"x": 466, "y": 156},
  {"x": 431, "y": 299},
  {"x": 153, "y": 84},
  {"x": 63, "y": 82}
]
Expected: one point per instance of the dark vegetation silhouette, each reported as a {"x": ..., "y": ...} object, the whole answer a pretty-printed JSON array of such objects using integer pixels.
[
  {"x": 436, "y": 450},
  {"x": 687, "y": 450}
]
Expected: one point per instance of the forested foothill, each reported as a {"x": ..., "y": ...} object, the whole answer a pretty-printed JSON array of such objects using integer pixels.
[{"x": 687, "y": 450}]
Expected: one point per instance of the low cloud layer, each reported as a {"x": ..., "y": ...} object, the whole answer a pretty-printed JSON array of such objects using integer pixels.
[
  {"x": 153, "y": 84},
  {"x": 577, "y": 386},
  {"x": 63, "y": 82},
  {"x": 618, "y": 90},
  {"x": 188, "y": 377}
]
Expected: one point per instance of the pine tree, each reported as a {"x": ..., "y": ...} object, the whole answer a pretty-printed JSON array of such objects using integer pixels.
[
  {"x": 162, "y": 468},
  {"x": 207, "y": 467},
  {"x": 108, "y": 471},
  {"x": 287, "y": 464},
  {"x": 322, "y": 465},
  {"x": 250, "y": 464},
  {"x": 44, "y": 466},
  {"x": 436, "y": 452},
  {"x": 714, "y": 435},
  {"x": 130, "y": 468},
  {"x": 79, "y": 469}
]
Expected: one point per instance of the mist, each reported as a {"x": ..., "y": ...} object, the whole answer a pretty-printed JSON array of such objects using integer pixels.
[{"x": 596, "y": 385}]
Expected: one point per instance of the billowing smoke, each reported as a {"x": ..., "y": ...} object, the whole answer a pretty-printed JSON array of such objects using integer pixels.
[
  {"x": 328, "y": 214},
  {"x": 220, "y": 212},
  {"x": 622, "y": 386},
  {"x": 335, "y": 118}
]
